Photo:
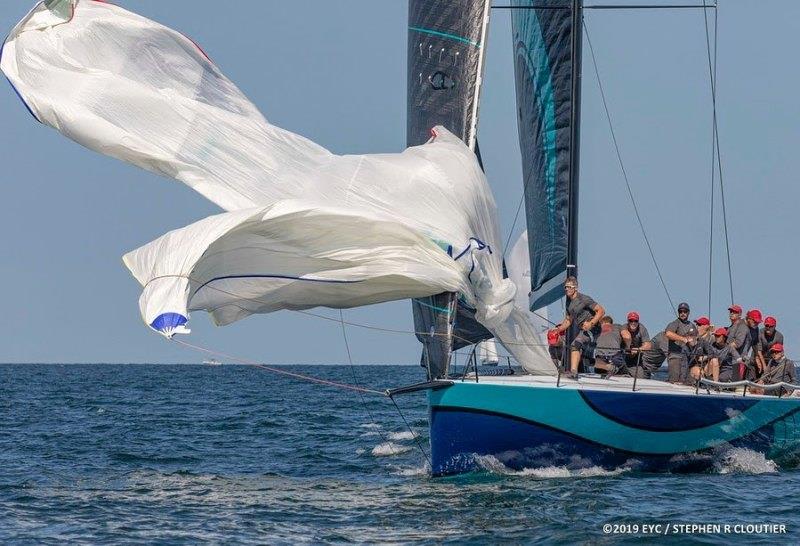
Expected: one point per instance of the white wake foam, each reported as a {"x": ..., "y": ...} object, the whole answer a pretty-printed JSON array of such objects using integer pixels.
[
  {"x": 388, "y": 449},
  {"x": 413, "y": 471},
  {"x": 739, "y": 460},
  {"x": 405, "y": 435},
  {"x": 491, "y": 464}
]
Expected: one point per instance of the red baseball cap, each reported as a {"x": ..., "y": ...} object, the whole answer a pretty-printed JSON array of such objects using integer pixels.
[
  {"x": 754, "y": 314},
  {"x": 735, "y": 308},
  {"x": 721, "y": 332},
  {"x": 552, "y": 337},
  {"x": 770, "y": 321},
  {"x": 633, "y": 315},
  {"x": 702, "y": 321},
  {"x": 777, "y": 348}
]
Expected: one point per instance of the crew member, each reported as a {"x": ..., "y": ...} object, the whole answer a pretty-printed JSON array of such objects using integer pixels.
[
  {"x": 652, "y": 358},
  {"x": 555, "y": 343},
  {"x": 719, "y": 360},
  {"x": 608, "y": 350},
  {"x": 779, "y": 370},
  {"x": 585, "y": 314},
  {"x": 752, "y": 352},
  {"x": 682, "y": 335},
  {"x": 636, "y": 339},
  {"x": 738, "y": 335},
  {"x": 767, "y": 337},
  {"x": 705, "y": 336}
]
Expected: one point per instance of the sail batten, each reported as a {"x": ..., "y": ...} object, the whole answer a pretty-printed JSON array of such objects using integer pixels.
[{"x": 547, "y": 74}]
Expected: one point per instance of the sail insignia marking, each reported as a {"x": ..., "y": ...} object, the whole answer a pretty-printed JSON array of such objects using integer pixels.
[{"x": 445, "y": 35}]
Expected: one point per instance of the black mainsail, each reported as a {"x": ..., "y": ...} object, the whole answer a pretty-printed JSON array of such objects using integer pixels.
[
  {"x": 547, "y": 64},
  {"x": 445, "y": 63}
]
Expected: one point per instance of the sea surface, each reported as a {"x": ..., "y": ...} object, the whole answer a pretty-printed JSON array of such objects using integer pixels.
[{"x": 194, "y": 454}]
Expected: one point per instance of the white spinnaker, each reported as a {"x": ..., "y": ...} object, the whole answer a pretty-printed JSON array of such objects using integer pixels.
[
  {"x": 133, "y": 89},
  {"x": 518, "y": 265}
]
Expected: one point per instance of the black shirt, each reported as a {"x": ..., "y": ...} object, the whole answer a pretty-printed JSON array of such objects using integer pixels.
[
  {"x": 580, "y": 309},
  {"x": 684, "y": 328}
]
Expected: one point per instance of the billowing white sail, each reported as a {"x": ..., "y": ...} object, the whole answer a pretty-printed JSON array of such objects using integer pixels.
[
  {"x": 518, "y": 265},
  {"x": 305, "y": 227}
]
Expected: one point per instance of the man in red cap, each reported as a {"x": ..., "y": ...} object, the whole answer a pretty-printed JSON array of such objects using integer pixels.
[
  {"x": 636, "y": 339},
  {"x": 779, "y": 370},
  {"x": 767, "y": 337},
  {"x": 555, "y": 343},
  {"x": 705, "y": 336},
  {"x": 705, "y": 330},
  {"x": 753, "y": 359},
  {"x": 719, "y": 359},
  {"x": 738, "y": 334}
]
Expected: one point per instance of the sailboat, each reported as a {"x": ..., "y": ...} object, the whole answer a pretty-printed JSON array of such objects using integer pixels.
[
  {"x": 538, "y": 419},
  {"x": 302, "y": 227}
]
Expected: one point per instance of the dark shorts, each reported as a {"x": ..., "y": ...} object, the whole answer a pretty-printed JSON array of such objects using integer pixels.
[
  {"x": 638, "y": 371},
  {"x": 677, "y": 367},
  {"x": 727, "y": 375},
  {"x": 617, "y": 358},
  {"x": 582, "y": 340}
]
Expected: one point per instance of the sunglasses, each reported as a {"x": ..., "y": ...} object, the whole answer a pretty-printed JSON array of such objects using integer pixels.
[
  {"x": 683, "y": 311},
  {"x": 633, "y": 322}
]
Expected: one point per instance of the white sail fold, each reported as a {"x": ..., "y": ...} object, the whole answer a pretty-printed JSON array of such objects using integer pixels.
[{"x": 304, "y": 227}]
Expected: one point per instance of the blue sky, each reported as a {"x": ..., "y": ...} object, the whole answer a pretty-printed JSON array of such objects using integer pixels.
[{"x": 335, "y": 72}]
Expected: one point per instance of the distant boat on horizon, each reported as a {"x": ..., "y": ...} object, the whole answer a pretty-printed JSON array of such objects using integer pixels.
[{"x": 212, "y": 362}]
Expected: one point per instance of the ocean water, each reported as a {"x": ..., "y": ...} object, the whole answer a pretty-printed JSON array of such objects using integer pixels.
[{"x": 192, "y": 454}]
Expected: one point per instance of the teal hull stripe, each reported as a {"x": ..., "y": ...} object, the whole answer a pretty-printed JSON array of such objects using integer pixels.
[
  {"x": 565, "y": 410},
  {"x": 445, "y": 35}
]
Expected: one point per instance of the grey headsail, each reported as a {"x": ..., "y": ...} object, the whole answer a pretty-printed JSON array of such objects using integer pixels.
[
  {"x": 445, "y": 64},
  {"x": 547, "y": 58}
]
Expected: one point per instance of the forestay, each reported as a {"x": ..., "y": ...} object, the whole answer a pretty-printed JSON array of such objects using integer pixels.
[{"x": 304, "y": 227}]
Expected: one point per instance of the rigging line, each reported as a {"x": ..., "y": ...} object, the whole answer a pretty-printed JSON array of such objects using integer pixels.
[
  {"x": 514, "y": 223},
  {"x": 355, "y": 380},
  {"x": 413, "y": 434},
  {"x": 712, "y": 72},
  {"x": 713, "y": 173},
  {"x": 614, "y": 6},
  {"x": 544, "y": 318},
  {"x": 300, "y": 376},
  {"x": 624, "y": 172}
]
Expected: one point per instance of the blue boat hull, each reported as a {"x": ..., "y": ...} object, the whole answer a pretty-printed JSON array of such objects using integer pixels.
[{"x": 533, "y": 426}]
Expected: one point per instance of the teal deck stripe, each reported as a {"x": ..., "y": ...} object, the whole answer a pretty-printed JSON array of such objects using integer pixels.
[{"x": 445, "y": 35}]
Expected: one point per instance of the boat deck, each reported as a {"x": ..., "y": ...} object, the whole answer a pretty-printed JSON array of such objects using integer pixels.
[{"x": 616, "y": 383}]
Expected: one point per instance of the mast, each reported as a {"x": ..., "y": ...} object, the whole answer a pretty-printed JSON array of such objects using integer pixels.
[{"x": 575, "y": 138}]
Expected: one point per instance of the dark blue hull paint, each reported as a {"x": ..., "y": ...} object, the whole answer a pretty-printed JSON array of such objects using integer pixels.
[
  {"x": 525, "y": 427},
  {"x": 458, "y": 436}
]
